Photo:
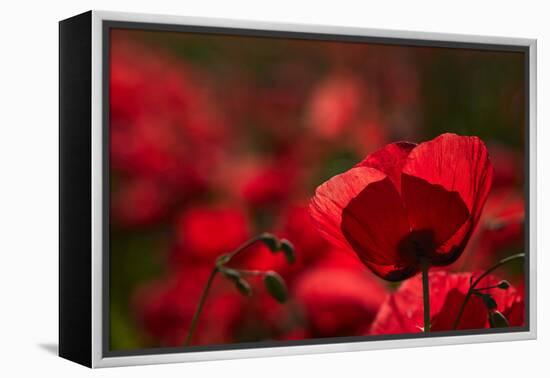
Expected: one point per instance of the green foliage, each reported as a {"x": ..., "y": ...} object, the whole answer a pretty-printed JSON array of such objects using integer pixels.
[{"x": 134, "y": 259}]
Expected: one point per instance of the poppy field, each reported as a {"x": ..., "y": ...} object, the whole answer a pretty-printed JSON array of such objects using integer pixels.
[{"x": 270, "y": 189}]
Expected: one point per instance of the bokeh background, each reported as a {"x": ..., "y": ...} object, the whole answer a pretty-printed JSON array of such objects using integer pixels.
[{"x": 216, "y": 138}]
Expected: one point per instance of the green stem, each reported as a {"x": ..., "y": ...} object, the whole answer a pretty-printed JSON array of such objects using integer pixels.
[
  {"x": 426, "y": 294},
  {"x": 247, "y": 272},
  {"x": 478, "y": 280},
  {"x": 200, "y": 306},
  {"x": 244, "y": 246},
  {"x": 216, "y": 269},
  {"x": 487, "y": 288}
]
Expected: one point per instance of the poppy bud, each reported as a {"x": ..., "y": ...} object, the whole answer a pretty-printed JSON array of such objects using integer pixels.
[
  {"x": 503, "y": 285},
  {"x": 288, "y": 250},
  {"x": 223, "y": 259},
  {"x": 232, "y": 274},
  {"x": 270, "y": 241},
  {"x": 497, "y": 319},
  {"x": 244, "y": 287},
  {"x": 276, "y": 286},
  {"x": 489, "y": 301}
]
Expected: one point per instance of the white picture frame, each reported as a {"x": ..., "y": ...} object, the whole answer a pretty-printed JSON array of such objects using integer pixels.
[{"x": 99, "y": 357}]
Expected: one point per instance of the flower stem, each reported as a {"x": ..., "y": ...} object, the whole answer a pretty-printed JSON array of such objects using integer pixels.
[
  {"x": 216, "y": 269},
  {"x": 244, "y": 246},
  {"x": 247, "y": 272},
  {"x": 472, "y": 288},
  {"x": 200, "y": 306},
  {"x": 426, "y": 294}
]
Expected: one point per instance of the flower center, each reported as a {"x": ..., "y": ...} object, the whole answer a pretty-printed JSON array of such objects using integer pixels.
[{"x": 416, "y": 245}]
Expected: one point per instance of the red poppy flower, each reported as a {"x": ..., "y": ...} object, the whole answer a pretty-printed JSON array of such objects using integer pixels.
[
  {"x": 297, "y": 226},
  {"x": 407, "y": 202},
  {"x": 342, "y": 259},
  {"x": 260, "y": 257},
  {"x": 263, "y": 317},
  {"x": 345, "y": 307},
  {"x": 334, "y": 104},
  {"x": 503, "y": 218},
  {"x": 164, "y": 309},
  {"x": 403, "y": 311},
  {"x": 500, "y": 230},
  {"x": 204, "y": 233},
  {"x": 139, "y": 203},
  {"x": 508, "y": 165},
  {"x": 270, "y": 185},
  {"x": 165, "y": 128}
]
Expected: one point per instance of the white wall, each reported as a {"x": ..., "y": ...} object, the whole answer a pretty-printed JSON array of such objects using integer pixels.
[{"x": 28, "y": 164}]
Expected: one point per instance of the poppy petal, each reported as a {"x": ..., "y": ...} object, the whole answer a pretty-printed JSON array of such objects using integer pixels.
[
  {"x": 333, "y": 196},
  {"x": 341, "y": 308},
  {"x": 393, "y": 273},
  {"x": 402, "y": 312},
  {"x": 475, "y": 313},
  {"x": 375, "y": 223},
  {"x": 435, "y": 214},
  {"x": 451, "y": 250},
  {"x": 456, "y": 164},
  {"x": 390, "y": 160}
]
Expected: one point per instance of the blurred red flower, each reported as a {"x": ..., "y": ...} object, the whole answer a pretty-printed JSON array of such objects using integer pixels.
[
  {"x": 270, "y": 185},
  {"x": 310, "y": 248},
  {"x": 338, "y": 302},
  {"x": 164, "y": 309},
  {"x": 406, "y": 202},
  {"x": 342, "y": 259},
  {"x": 508, "y": 166},
  {"x": 298, "y": 227},
  {"x": 402, "y": 311},
  {"x": 345, "y": 110},
  {"x": 138, "y": 203},
  {"x": 264, "y": 317},
  {"x": 503, "y": 218},
  {"x": 501, "y": 229},
  {"x": 334, "y": 105},
  {"x": 165, "y": 130},
  {"x": 260, "y": 257},
  {"x": 205, "y": 232}
]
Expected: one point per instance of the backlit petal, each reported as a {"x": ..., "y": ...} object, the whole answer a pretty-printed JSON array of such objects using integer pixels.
[
  {"x": 402, "y": 312},
  {"x": 457, "y": 164},
  {"x": 375, "y": 222},
  {"x": 390, "y": 159},
  {"x": 435, "y": 214},
  {"x": 333, "y": 196}
]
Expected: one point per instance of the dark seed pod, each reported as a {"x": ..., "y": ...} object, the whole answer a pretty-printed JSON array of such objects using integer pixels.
[
  {"x": 232, "y": 274},
  {"x": 489, "y": 301},
  {"x": 503, "y": 285},
  {"x": 276, "y": 286},
  {"x": 497, "y": 320},
  {"x": 288, "y": 249},
  {"x": 270, "y": 241},
  {"x": 244, "y": 287}
]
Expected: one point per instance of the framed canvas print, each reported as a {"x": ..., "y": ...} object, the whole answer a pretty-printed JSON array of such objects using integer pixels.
[{"x": 234, "y": 189}]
